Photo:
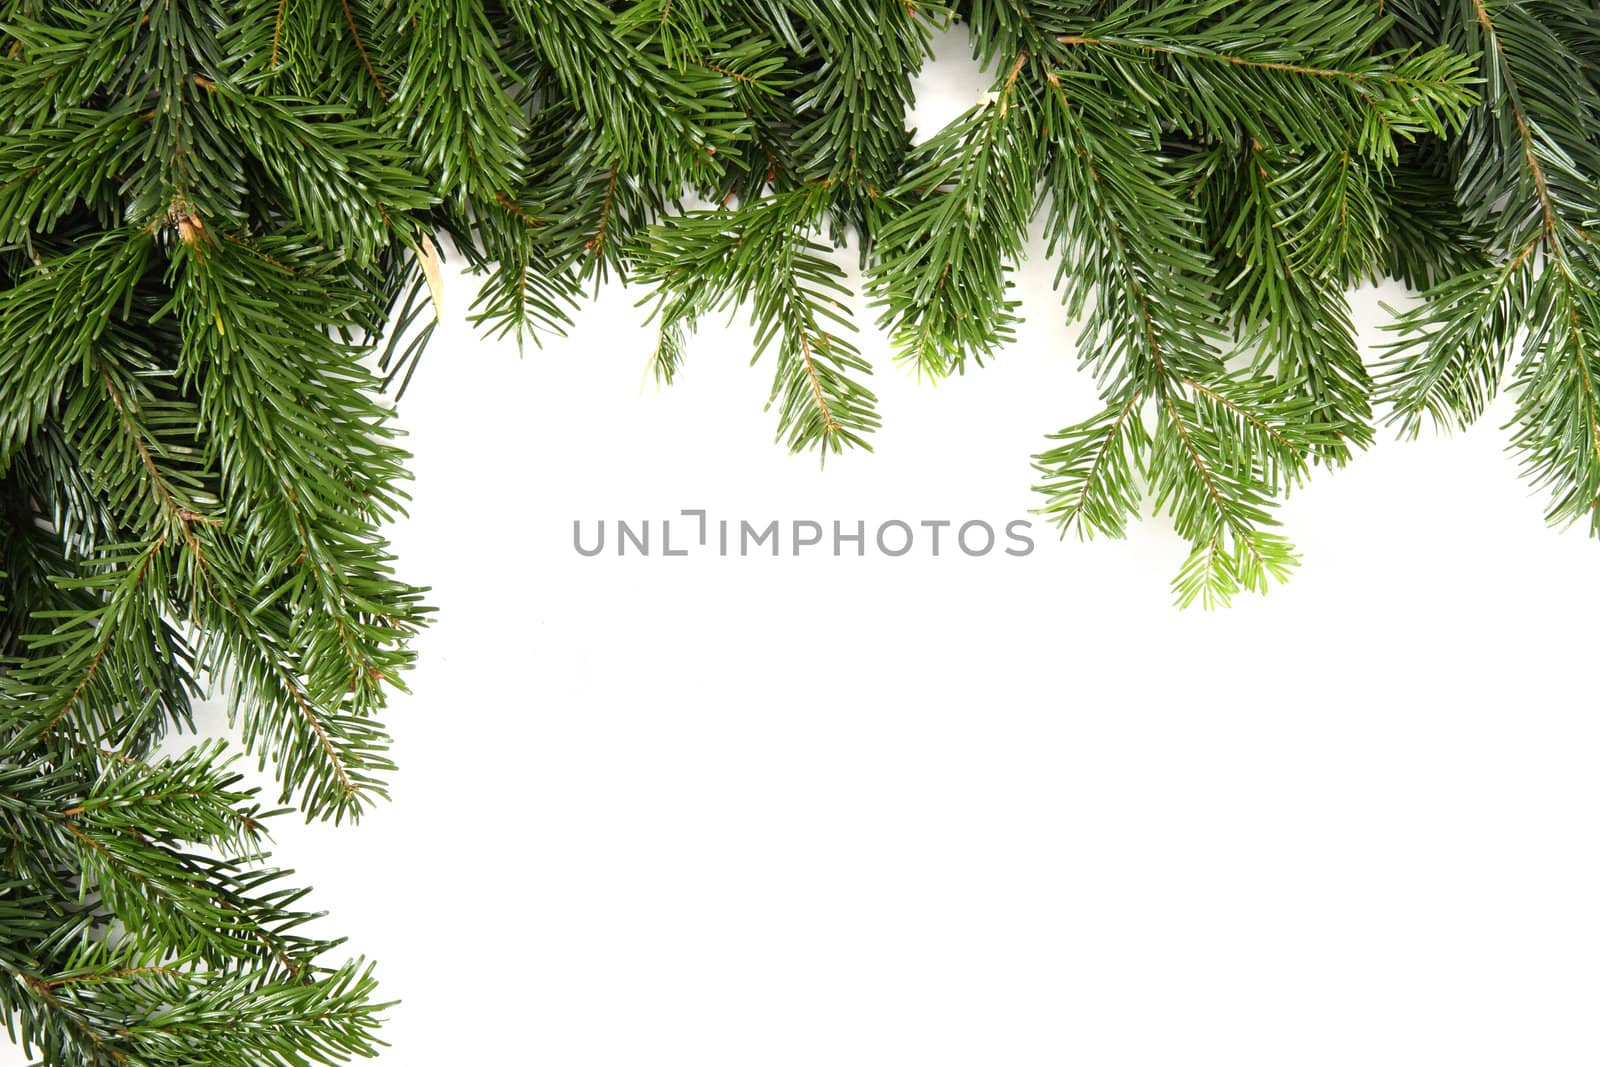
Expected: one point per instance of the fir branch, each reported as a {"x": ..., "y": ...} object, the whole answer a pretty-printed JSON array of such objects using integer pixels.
[
  {"x": 321, "y": 472},
  {"x": 629, "y": 89},
  {"x": 855, "y": 137},
  {"x": 459, "y": 117},
  {"x": 1309, "y": 74},
  {"x": 1531, "y": 148},
  {"x": 760, "y": 254},
  {"x": 1284, "y": 291},
  {"x": 951, "y": 229},
  {"x": 1091, "y": 480},
  {"x": 1124, "y": 233}
]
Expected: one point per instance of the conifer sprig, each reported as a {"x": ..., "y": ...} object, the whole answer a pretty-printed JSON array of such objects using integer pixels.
[
  {"x": 1524, "y": 172},
  {"x": 761, "y": 256}
]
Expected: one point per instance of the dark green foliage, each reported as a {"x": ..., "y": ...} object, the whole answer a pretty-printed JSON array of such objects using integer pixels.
[
  {"x": 760, "y": 255},
  {"x": 213, "y": 211},
  {"x": 955, "y": 223},
  {"x": 1525, "y": 178},
  {"x": 194, "y": 469}
]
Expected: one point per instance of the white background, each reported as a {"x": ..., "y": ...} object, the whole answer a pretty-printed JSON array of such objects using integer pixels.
[{"x": 951, "y": 811}]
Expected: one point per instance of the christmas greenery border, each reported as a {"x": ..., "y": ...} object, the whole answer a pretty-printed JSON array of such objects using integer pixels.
[{"x": 212, "y": 212}]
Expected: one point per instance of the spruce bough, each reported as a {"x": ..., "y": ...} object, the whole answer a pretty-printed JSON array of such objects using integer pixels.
[{"x": 213, "y": 212}]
